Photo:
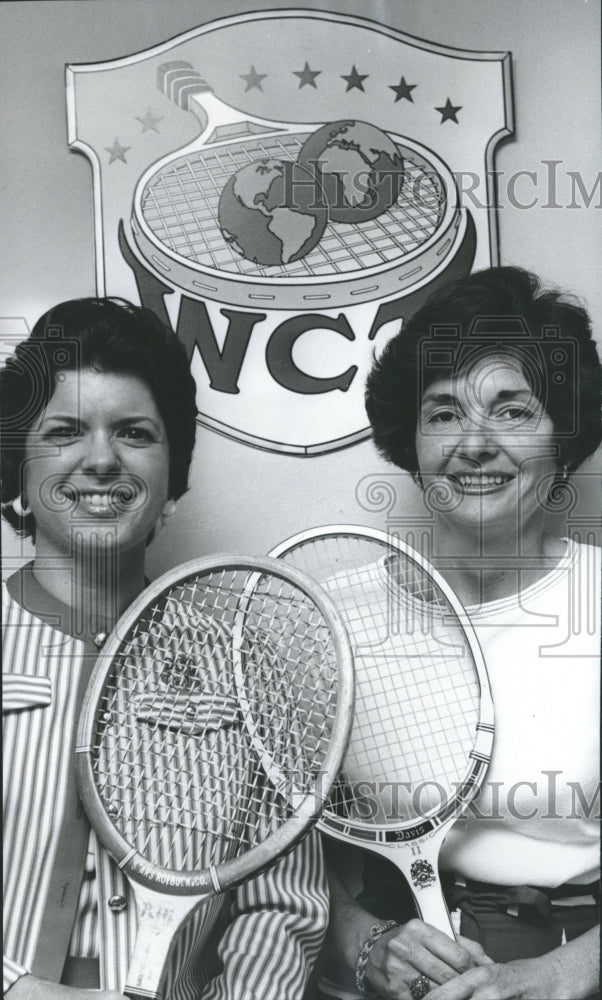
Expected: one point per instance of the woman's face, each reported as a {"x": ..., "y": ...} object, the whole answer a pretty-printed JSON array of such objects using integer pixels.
[
  {"x": 485, "y": 441},
  {"x": 97, "y": 464}
]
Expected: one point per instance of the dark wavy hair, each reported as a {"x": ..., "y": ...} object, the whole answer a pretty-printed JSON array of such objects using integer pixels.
[
  {"x": 502, "y": 310},
  {"x": 107, "y": 335}
]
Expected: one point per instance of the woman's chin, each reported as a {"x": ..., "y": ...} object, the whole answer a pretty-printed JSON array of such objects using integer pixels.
[{"x": 105, "y": 534}]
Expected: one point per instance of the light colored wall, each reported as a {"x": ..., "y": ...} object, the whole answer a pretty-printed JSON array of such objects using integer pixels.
[{"x": 241, "y": 498}]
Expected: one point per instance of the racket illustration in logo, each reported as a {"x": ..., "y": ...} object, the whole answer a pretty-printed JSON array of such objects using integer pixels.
[{"x": 181, "y": 233}]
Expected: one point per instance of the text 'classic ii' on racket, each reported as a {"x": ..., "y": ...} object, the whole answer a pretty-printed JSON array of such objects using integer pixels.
[
  {"x": 423, "y": 729},
  {"x": 214, "y": 725},
  {"x": 176, "y": 229}
]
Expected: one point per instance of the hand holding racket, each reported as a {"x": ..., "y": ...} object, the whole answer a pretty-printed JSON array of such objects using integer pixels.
[
  {"x": 423, "y": 728},
  {"x": 213, "y": 728}
]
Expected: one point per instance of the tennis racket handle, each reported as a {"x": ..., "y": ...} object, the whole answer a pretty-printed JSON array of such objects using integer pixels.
[
  {"x": 183, "y": 85},
  {"x": 432, "y": 907},
  {"x": 159, "y": 918},
  {"x": 418, "y": 862},
  {"x": 330, "y": 989},
  {"x": 179, "y": 81}
]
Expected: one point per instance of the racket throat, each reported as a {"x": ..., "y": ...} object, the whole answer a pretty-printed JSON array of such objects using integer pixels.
[
  {"x": 418, "y": 861},
  {"x": 160, "y": 917},
  {"x": 432, "y": 907}
]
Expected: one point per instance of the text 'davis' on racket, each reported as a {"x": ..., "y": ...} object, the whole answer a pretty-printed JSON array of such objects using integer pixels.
[{"x": 214, "y": 726}]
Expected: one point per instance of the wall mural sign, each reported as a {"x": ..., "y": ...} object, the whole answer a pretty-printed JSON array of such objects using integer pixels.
[{"x": 283, "y": 188}]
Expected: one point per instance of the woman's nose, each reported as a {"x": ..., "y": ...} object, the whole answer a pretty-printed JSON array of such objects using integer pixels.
[
  {"x": 101, "y": 456},
  {"x": 478, "y": 439}
]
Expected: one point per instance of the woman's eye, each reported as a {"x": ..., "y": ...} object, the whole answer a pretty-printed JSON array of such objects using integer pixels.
[
  {"x": 515, "y": 413},
  {"x": 137, "y": 435},
  {"x": 62, "y": 432},
  {"x": 442, "y": 417}
]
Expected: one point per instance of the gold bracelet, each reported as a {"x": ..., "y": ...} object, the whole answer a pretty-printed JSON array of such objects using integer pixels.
[{"x": 364, "y": 955}]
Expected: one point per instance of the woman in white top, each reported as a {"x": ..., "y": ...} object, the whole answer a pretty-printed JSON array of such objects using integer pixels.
[
  {"x": 99, "y": 416},
  {"x": 490, "y": 398}
]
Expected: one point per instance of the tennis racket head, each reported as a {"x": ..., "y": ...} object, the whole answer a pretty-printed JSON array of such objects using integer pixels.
[
  {"x": 423, "y": 730},
  {"x": 176, "y": 225},
  {"x": 215, "y": 722}
]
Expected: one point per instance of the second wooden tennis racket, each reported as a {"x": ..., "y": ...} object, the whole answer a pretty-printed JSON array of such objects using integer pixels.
[{"x": 423, "y": 730}]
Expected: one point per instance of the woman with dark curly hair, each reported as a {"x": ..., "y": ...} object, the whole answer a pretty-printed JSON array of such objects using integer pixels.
[
  {"x": 490, "y": 398},
  {"x": 98, "y": 419}
]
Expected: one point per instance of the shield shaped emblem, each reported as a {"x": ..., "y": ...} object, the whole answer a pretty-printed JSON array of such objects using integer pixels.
[{"x": 283, "y": 188}]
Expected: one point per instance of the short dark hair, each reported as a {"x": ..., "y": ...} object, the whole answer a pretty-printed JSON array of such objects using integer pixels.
[
  {"x": 497, "y": 310},
  {"x": 107, "y": 335}
]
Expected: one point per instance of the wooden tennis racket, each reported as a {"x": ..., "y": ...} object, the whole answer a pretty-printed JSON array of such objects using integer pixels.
[
  {"x": 176, "y": 229},
  {"x": 423, "y": 730},
  {"x": 214, "y": 725}
]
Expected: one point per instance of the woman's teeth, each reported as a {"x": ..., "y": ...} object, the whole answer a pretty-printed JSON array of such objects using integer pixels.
[
  {"x": 96, "y": 502},
  {"x": 110, "y": 501},
  {"x": 482, "y": 480}
]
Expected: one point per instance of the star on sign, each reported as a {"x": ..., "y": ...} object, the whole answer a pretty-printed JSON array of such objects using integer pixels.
[
  {"x": 354, "y": 80},
  {"x": 117, "y": 151},
  {"x": 307, "y": 76},
  {"x": 149, "y": 121},
  {"x": 448, "y": 112},
  {"x": 253, "y": 79},
  {"x": 403, "y": 90}
]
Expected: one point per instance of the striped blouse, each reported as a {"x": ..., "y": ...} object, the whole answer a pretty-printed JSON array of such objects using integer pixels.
[{"x": 265, "y": 935}]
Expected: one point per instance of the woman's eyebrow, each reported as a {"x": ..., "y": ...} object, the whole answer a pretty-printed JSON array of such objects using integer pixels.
[
  {"x": 502, "y": 395},
  {"x": 133, "y": 418},
  {"x": 514, "y": 393},
  {"x": 59, "y": 416},
  {"x": 439, "y": 397},
  {"x": 130, "y": 418}
]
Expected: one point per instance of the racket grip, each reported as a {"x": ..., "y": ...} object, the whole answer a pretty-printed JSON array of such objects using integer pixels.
[
  {"x": 331, "y": 990},
  {"x": 433, "y": 908},
  {"x": 179, "y": 81}
]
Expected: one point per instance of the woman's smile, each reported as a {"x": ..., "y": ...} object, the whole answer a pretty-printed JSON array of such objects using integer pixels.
[
  {"x": 484, "y": 435},
  {"x": 479, "y": 483},
  {"x": 99, "y": 456},
  {"x": 104, "y": 500}
]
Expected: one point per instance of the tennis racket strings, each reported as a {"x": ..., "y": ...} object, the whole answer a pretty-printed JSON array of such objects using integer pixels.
[
  {"x": 215, "y": 719},
  {"x": 213, "y": 728},
  {"x": 180, "y": 206},
  {"x": 418, "y": 742}
]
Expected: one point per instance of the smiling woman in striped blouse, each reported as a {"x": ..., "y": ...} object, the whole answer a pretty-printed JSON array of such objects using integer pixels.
[{"x": 98, "y": 410}]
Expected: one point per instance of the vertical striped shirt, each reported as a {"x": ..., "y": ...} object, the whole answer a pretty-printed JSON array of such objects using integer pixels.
[{"x": 264, "y": 937}]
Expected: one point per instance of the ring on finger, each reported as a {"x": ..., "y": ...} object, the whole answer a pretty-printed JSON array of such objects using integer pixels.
[{"x": 419, "y": 987}]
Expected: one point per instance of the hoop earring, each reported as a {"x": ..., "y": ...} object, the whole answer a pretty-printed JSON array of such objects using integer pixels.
[
  {"x": 168, "y": 512},
  {"x": 19, "y": 509}
]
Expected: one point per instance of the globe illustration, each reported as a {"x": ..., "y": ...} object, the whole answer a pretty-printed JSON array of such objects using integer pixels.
[
  {"x": 272, "y": 212},
  {"x": 359, "y": 166}
]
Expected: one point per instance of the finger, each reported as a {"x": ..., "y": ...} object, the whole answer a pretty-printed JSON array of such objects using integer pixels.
[
  {"x": 443, "y": 948},
  {"x": 475, "y": 950},
  {"x": 421, "y": 961},
  {"x": 390, "y": 973},
  {"x": 465, "y": 986},
  {"x": 389, "y": 976},
  {"x": 420, "y": 951}
]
